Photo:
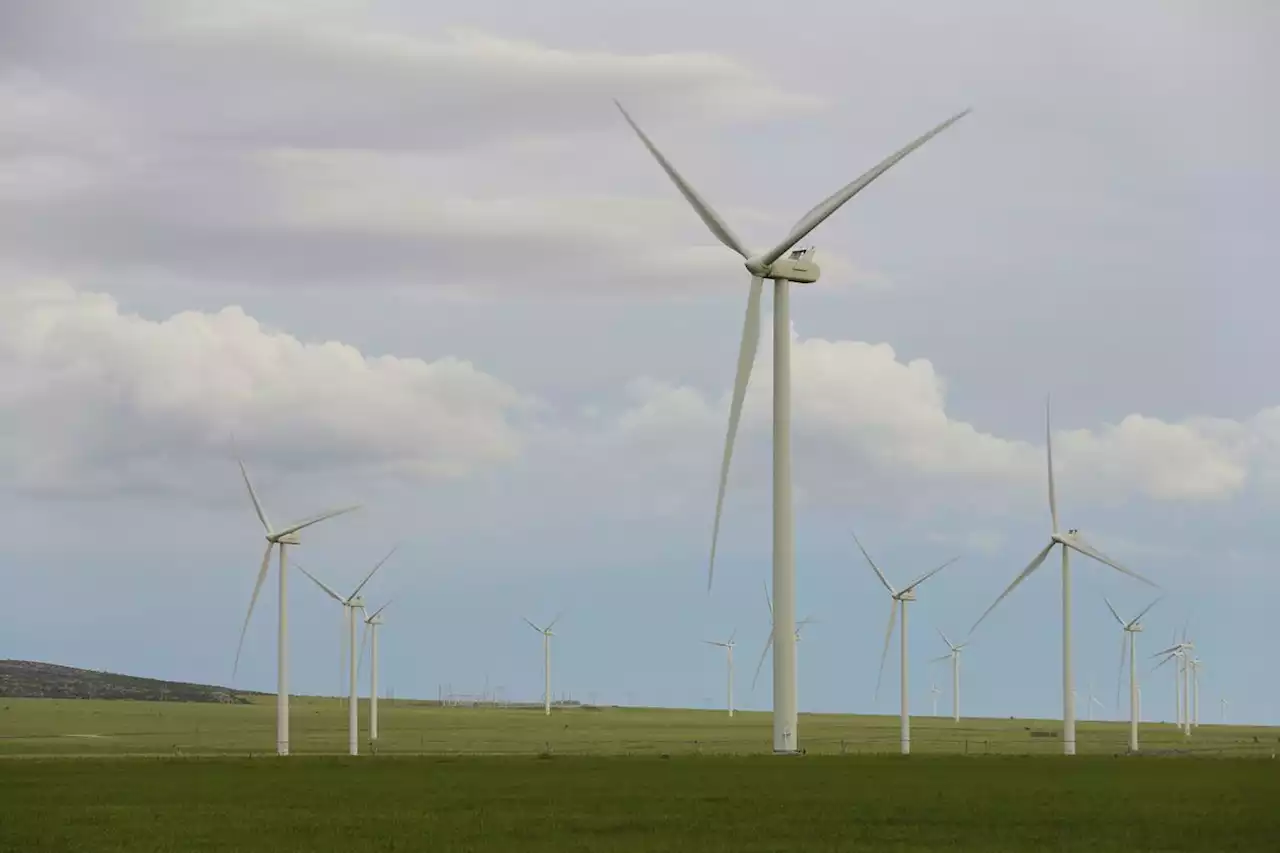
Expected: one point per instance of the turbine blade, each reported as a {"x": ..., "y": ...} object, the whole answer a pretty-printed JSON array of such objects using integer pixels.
[
  {"x": 925, "y": 577},
  {"x": 322, "y": 585},
  {"x": 888, "y": 635},
  {"x": 1167, "y": 651},
  {"x": 1078, "y": 544},
  {"x": 531, "y": 625},
  {"x": 257, "y": 588},
  {"x": 732, "y": 636},
  {"x": 942, "y": 658},
  {"x": 764, "y": 654},
  {"x": 1145, "y": 610},
  {"x": 836, "y": 200},
  {"x": 253, "y": 496},
  {"x": 316, "y": 519},
  {"x": 374, "y": 569},
  {"x": 364, "y": 636},
  {"x": 1163, "y": 662},
  {"x": 1031, "y": 567},
  {"x": 378, "y": 612},
  {"x": 746, "y": 358},
  {"x": 1113, "y": 611},
  {"x": 944, "y": 639},
  {"x": 712, "y": 219},
  {"x": 1048, "y": 447},
  {"x": 555, "y": 620},
  {"x": 873, "y": 565},
  {"x": 768, "y": 601}
]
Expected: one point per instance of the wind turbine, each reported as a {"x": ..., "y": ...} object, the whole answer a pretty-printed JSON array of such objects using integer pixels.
[
  {"x": 1225, "y": 703},
  {"x": 371, "y": 623},
  {"x": 773, "y": 630},
  {"x": 1195, "y": 666},
  {"x": 350, "y": 604},
  {"x": 728, "y": 647},
  {"x": 546, "y": 660},
  {"x": 936, "y": 691},
  {"x": 1129, "y": 645},
  {"x": 287, "y": 535},
  {"x": 797, "y": 266},
  {"x": 1178, "y": 654},
  {"x": 954, "y": 657},
  {"x": 1070, "y": 541},
  {"x": 899, "y": 599}
]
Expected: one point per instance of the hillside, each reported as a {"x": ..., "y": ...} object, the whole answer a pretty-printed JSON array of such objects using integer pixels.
[{"x": 34, "y": 680}]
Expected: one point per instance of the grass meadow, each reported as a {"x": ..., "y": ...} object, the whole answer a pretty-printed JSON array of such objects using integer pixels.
[{"x": 132, "y": 776}]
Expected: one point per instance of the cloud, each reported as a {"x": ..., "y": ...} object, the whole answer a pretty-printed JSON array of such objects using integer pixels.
[
  {"x": 863, "y": 420},
  {"x": 93, "y": 399}
]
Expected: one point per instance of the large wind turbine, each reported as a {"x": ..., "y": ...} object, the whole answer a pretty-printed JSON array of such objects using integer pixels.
[
  {"x": 1178, "y": 654},
  {"x": 1129, "y": 645},
  {"x": 371, "y": 623},
  {"x": 797, "y": 266},
  {"x": 283, "y": 537},
  {"x": 898, "y": 599},
  {"x": 546, "y": 661},
  {"x": 728, "y": 647},
  {"x": 1070, "y": 541},
  {"x": 954, "y": 657},
  {"x": 350, "y": 605}
]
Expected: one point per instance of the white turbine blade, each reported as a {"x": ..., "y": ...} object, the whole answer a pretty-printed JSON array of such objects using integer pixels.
[
  {"x": 836, "y": 200},
  {"x": 944, "y": 639},
  {"x": 554, "y": 621},
  {"x": 257, "y": 588},
  {"x": 1168, "y": 651},
  {"x": 764, "y": 654},
  {"x": 322, "y": 585},
  {"x": 1031, "y": 567},
  {"x": 715, "y": 643},
  {"x": 1078, "y": 544},
  {"x": 1113, "y": 611},
  {"x": 1144, "y": 611},
  {"x": 940, "y": 658},
  {"x": 925, "y": 577},
  {"x": 378, "y": 612},
  {"x": 253, "y": 496},
  {"x": 888, "y": 635},
  {"x": 374, "y": 569},
  {"x": 364, "y": 636},
  {"x": 746, "y": 358},
  {"x": 533, "y": 626},
  {"x": 1163, "y": 662},
  {"x": 1048, "y": 447},
  {"x": 732, "y": 636},
  {"x": 712, "y": 219},
  {"x": 873, "y": 565},
  {"x": 316, "y": 519}
]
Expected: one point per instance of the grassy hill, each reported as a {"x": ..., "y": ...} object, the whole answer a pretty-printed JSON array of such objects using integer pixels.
[{"x": 34, "y": 680}]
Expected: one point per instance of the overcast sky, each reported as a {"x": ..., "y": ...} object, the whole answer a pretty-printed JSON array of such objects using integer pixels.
[{"x": 411, "y": 256}]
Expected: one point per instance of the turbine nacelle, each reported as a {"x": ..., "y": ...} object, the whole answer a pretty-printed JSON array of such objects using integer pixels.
[
  {"x": 286, "y": 539},
  {"x": 906, "y": 595},
  {"x": 798, "y": 267}
]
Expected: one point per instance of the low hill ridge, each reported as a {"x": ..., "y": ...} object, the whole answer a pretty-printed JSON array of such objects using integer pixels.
[{"x": 35, "y": 680}]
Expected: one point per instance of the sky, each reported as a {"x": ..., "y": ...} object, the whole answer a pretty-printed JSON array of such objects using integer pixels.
[{"x": 411, "y": 257}]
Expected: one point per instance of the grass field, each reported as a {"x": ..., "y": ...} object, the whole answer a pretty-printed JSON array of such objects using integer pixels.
[{"x": 76, "y": 779}]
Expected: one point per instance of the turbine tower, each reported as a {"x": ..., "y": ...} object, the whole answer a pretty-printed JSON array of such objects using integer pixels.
[
  {"x": 287, "y": 535},
  {"x": 808, "y": 620},
  {"x": 546, "y": 661},
  {"x": 1070, "y": 541},
  {"x": 954, "y": 657},
  {"x": 782, "y": 264},
  {"x": 899, "y": 599},
  {"x": 728, "y": 647},
  {"x": 1129, "y": 646},
  {"x": 350, "y": 605}
]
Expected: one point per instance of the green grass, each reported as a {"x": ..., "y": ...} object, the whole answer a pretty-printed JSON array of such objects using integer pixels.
[
  {"x": 319, "y": 726},
  {"x": 721, "y": 803},
  {"x": 598, "y": 780}
]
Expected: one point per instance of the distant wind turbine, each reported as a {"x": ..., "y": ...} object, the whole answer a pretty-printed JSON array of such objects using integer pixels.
[
  {"x": 1129, "y": 646},
  {"x": 936, "y": 691},
  {"x": 350, "y": 605},
  {"x": 287, "y": 535},
  {"x": 546, "y": 661},
  {"x": 954, "y": 657},
  {"x": 728, "y": 647},
  {"x": 1178, "y": 654},
  {"x": 898, "y": 599},
  {"x": 1070, "y": 541},
  {"x": 371, "y": 624},
  {"x": 773, "y": 629},
  {"x": 1225, "y": 704},
  {"x": 782, "y": 264},
  {"x": 1195, "y": 665}
]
